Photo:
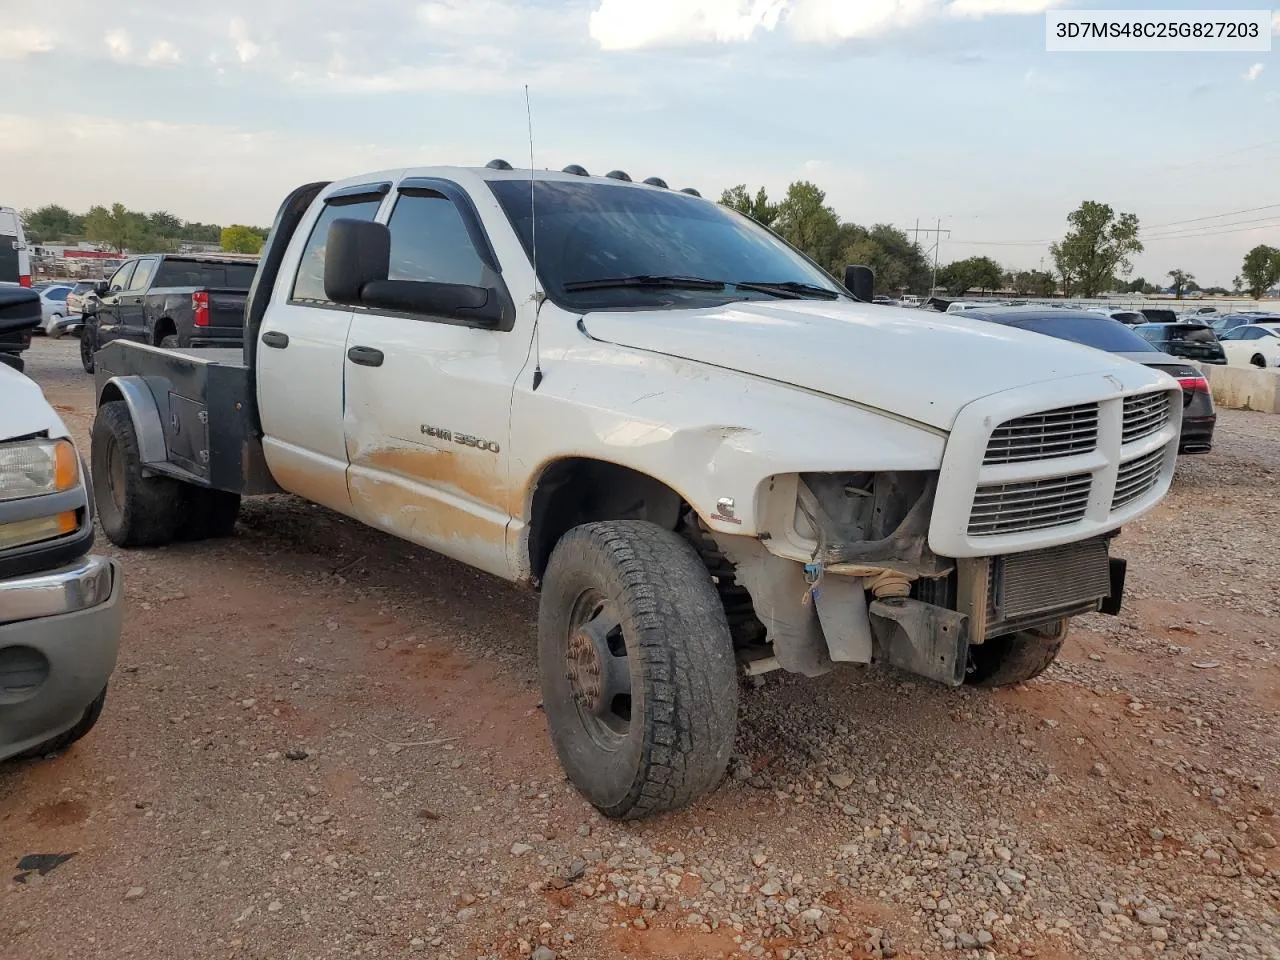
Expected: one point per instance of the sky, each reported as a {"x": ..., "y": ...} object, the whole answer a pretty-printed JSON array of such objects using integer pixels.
[{"x": 901, "y": 110}]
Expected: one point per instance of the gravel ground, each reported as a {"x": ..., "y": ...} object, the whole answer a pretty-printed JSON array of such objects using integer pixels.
[{"x": 324, "y": 742}]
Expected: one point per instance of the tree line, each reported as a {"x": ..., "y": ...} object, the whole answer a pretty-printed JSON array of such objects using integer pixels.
[
  {"x": 1094, "y": 256},
  {"x": 122, "y": 229}
]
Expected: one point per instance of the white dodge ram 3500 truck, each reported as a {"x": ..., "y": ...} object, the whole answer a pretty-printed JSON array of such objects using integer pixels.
[{"x": 706, "y": 454}]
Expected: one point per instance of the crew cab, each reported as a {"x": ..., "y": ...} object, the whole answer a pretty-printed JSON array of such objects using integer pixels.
[
  {"x": 60, "y": 606},
  {"x": 705, "y": 453},
  {"x": 171, "y": 301}
]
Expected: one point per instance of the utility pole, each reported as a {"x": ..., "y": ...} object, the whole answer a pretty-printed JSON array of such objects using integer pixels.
[{"x": 937, "y": 243}]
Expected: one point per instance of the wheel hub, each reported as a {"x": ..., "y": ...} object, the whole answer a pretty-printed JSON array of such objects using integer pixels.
[{"x": 585, "y": 674}]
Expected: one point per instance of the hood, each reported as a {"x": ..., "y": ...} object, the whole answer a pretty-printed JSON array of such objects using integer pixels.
[
  {"x": 921, "y": 366},
  {"x": 23, "y": 408}
]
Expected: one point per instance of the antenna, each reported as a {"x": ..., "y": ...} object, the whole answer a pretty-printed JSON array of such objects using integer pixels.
[{"x": 533, "y": 229}]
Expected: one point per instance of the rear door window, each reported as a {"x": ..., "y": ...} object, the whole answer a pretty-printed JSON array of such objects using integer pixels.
[{"x": 308, "y": 285}]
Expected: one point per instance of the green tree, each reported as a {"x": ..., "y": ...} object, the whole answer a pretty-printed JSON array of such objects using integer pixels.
[
  {"x": 1032, "y": 283},
  {"x": 807, "y": 223},
  {"x": 1182, "y": 282},
  {"x": 201, "y": 233},
  {"x": 1261, "y": 270},
  {"x": 973, "y": 273},
  {"x": 238, "y": 238},
  {"x": 1098, "y": 246},
  {"x": 51, "y": 223},
  {"x": 165, "y": 224},
  {"x": 117, "y": 227},
  {"x": 758, "y": 208},
  {"x": 898, "y": 263}
]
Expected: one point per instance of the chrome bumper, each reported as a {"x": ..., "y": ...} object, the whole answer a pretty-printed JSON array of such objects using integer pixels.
[{"x": 70, "y": 589}]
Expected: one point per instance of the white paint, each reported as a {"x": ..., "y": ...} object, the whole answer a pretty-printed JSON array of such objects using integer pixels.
[{"x": 23, "y": 408}]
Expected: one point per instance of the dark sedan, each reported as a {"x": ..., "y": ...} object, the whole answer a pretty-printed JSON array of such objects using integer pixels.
[{"x": 1103, "y": 333}]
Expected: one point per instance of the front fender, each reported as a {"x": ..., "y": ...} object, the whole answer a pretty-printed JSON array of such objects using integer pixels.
[{"x": 716, "y": 437}]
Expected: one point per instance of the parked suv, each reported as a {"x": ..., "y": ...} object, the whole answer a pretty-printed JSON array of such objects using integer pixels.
[
  {"x": 60, "y": 606},
  {"x": 1190, "y": 341}
]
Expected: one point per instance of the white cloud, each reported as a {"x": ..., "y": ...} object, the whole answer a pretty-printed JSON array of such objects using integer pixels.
[
  {"x": 119, "y": 46},
  {"x": 237, "y": 176},
  {"x": 1254, "y": 72},
  {"x": 633, "y": 24},
  {"x": 162, "y": 51},
  {"x": 991, "y": 8},
  {"x": 18, "y": 42},
  {"x": 246, "y": 49}
]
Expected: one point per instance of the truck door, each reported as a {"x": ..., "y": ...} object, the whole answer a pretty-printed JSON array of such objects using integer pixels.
[
  {"x": 130, "y": 309},
  {"x": 108, "y": 307},
  {"x": 428, "y": 398},
  {"x": 301, "y": 356}
]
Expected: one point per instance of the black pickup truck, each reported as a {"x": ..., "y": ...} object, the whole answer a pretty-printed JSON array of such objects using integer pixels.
[{"x": 169, "y": 300}]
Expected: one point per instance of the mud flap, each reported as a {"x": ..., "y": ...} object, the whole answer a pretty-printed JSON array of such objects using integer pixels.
[
  {"x": 842, "y": 611},
  {"x": 923, "y": 639},
  {"x": 1117, "y": 570}
]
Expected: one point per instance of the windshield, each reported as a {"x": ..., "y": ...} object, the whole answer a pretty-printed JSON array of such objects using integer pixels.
[
  {"x": 1102, "y": 333},
  {"x": 589, "y": 232}
]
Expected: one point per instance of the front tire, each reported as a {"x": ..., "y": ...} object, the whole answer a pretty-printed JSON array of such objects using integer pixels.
[
  {"x": 135, "y": 511},
  {"x": 639, "y": 682},
  {"x": 1014, "y": 657},
  {"x": 1258, "y": 360}
]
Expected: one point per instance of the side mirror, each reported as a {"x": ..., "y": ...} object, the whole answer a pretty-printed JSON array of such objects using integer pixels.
[
  {"x": 357, "y": 252},
  {"x": 860, "y": 281},
  {"x": 102, "y": 288}
]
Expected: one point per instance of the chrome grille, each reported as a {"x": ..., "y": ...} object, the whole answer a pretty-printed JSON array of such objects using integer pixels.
[
  {"x": 1064, "y": 432},
  {"x": 1029, "y": 505},
  {"x": 1144, "y": 415},
  {"x": 1137, "y": 478}
]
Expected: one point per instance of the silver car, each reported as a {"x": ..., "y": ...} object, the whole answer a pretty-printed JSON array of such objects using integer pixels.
[{"x": 61, "y": 608}]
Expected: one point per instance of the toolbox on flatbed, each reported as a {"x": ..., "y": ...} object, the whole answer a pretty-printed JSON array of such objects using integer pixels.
[{"x": 199, "y": 426}]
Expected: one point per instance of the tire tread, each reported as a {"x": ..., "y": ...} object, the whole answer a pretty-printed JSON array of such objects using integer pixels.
[{"x": 682, "y": 640}]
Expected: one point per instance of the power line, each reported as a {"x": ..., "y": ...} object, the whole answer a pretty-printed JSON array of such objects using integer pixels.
[
  {"x": 1214, "y": 227},
  {"x": 1216, "y": 216},
  {"x": 1212, "y": 233}
]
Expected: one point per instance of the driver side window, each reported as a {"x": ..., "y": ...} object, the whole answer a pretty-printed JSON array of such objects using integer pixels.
[{"x": 120, "y": 279}]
